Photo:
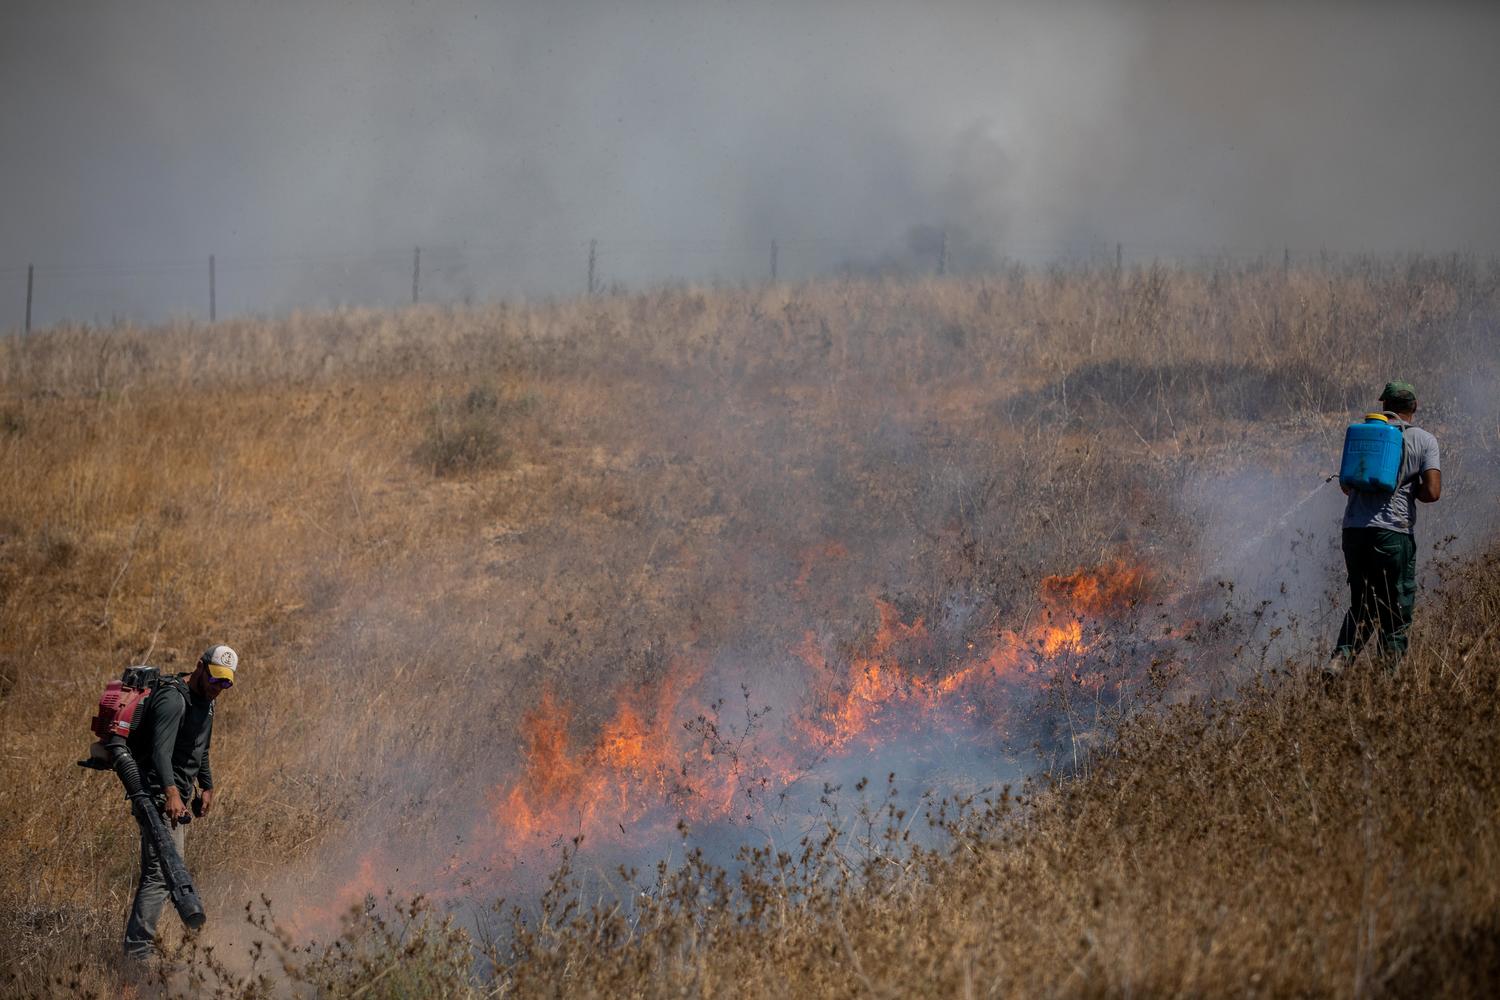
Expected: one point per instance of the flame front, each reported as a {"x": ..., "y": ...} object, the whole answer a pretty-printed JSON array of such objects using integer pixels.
[
  {"x": 878, "y": 690},
  {"x": 663, "y": 755},
  {"x": 635, "y": 766}
]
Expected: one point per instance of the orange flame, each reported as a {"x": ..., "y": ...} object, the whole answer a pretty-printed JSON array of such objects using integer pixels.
[
  {"x": 878, "y": 681},
  {"x": 634, "y": 765},
  {"x": 661, "y": 756}
]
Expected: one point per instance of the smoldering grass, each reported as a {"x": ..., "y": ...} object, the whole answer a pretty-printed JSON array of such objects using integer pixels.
[{"x": 1293, "y": 839}]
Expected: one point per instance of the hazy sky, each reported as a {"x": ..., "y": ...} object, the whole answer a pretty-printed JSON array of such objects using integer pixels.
[{"x": 686, "y": 136}]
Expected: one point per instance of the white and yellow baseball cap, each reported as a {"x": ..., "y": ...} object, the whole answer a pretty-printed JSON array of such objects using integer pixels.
[{"x": 221, "y": 662}]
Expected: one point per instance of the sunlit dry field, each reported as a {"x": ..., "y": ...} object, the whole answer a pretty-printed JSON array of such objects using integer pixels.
[{"x": 511, "y": 579}]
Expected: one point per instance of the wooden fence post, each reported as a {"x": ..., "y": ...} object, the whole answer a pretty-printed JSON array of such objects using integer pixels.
[
  {"x": 213, "y": 298},
  {"x": 416, "y": 275},
  {"x": 30, "y": 268},
  {"x": 593, "y": 249}
]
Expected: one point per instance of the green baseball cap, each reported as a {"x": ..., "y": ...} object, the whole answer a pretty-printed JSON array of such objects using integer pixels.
[{"x": 1399, "y": 394}]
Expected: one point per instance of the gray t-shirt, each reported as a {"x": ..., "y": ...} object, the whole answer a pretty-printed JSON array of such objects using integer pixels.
[{"x": 1396, "y": 511}]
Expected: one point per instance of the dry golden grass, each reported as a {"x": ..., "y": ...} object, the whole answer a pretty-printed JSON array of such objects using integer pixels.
[{"x": 411, "y": 524}]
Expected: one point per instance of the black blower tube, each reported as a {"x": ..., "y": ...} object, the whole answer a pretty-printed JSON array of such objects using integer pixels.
[{"x": 179, "y": 881}]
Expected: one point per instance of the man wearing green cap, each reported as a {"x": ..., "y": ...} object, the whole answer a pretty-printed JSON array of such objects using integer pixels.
[{"x": 1380, "y": 551}]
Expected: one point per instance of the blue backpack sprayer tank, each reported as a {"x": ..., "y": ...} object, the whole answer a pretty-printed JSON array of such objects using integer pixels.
[{"x": 1372, "y": 455}]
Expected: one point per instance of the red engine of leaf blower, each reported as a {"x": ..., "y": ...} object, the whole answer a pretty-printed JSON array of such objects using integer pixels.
[{"x": 117, "y": 710}]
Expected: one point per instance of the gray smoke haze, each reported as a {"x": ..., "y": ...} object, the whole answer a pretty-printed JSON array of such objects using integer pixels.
[{"x": 687, "y": 136}]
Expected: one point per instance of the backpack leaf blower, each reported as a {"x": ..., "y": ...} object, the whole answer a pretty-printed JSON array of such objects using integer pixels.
[{"x": 121, "y": 708}]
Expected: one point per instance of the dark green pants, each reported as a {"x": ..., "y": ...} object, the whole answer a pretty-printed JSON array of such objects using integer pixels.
[{"x": 1382, "y": 589}]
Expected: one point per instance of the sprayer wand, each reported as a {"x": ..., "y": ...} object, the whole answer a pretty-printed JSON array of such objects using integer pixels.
[{"x": 1276, "y": 525}]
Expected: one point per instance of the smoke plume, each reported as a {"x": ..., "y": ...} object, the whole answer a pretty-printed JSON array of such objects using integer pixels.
[{"x": 311, "y": 148}]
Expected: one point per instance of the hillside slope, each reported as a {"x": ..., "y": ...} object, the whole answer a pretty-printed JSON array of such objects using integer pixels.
[{"x": 419, "y": 527}]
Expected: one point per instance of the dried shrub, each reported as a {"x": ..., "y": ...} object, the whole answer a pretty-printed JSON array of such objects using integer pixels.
[{"x": 468, "y": 434}]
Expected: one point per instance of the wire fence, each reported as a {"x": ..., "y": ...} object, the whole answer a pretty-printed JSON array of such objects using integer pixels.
[{"x": 37, "y": 295}]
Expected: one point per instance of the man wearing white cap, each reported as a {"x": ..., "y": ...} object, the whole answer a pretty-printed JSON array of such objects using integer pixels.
[{"x": 171, "y": 744}]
